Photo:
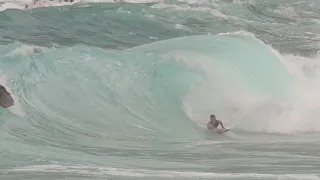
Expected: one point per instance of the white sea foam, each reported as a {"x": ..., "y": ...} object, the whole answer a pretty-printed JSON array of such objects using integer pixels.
[{"x": 103, "y": 171}]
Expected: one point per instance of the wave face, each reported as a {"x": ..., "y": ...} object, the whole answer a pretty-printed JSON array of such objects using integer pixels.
[
  {"x": 123, "y": 90},
  {"x": 143, "y": 89}
]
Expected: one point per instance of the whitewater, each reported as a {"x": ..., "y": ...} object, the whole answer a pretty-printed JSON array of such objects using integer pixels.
[{"x": 124, "y": 89}]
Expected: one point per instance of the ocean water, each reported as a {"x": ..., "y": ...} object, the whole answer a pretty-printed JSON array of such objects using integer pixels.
[{"x": 123, "y": 90}]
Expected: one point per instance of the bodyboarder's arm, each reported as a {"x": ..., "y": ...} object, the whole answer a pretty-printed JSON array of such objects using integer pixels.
[{"x": 220, "y": 122}]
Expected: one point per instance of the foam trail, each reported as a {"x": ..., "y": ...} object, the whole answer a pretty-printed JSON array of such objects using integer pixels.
[
  {"x": 31, "y": 4},
  {"x": 10, "y": 5},
  {"x": 96, "y": 170}
]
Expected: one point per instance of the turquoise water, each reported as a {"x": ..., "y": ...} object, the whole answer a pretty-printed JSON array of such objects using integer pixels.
[{"x": 120, "y": 90}]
